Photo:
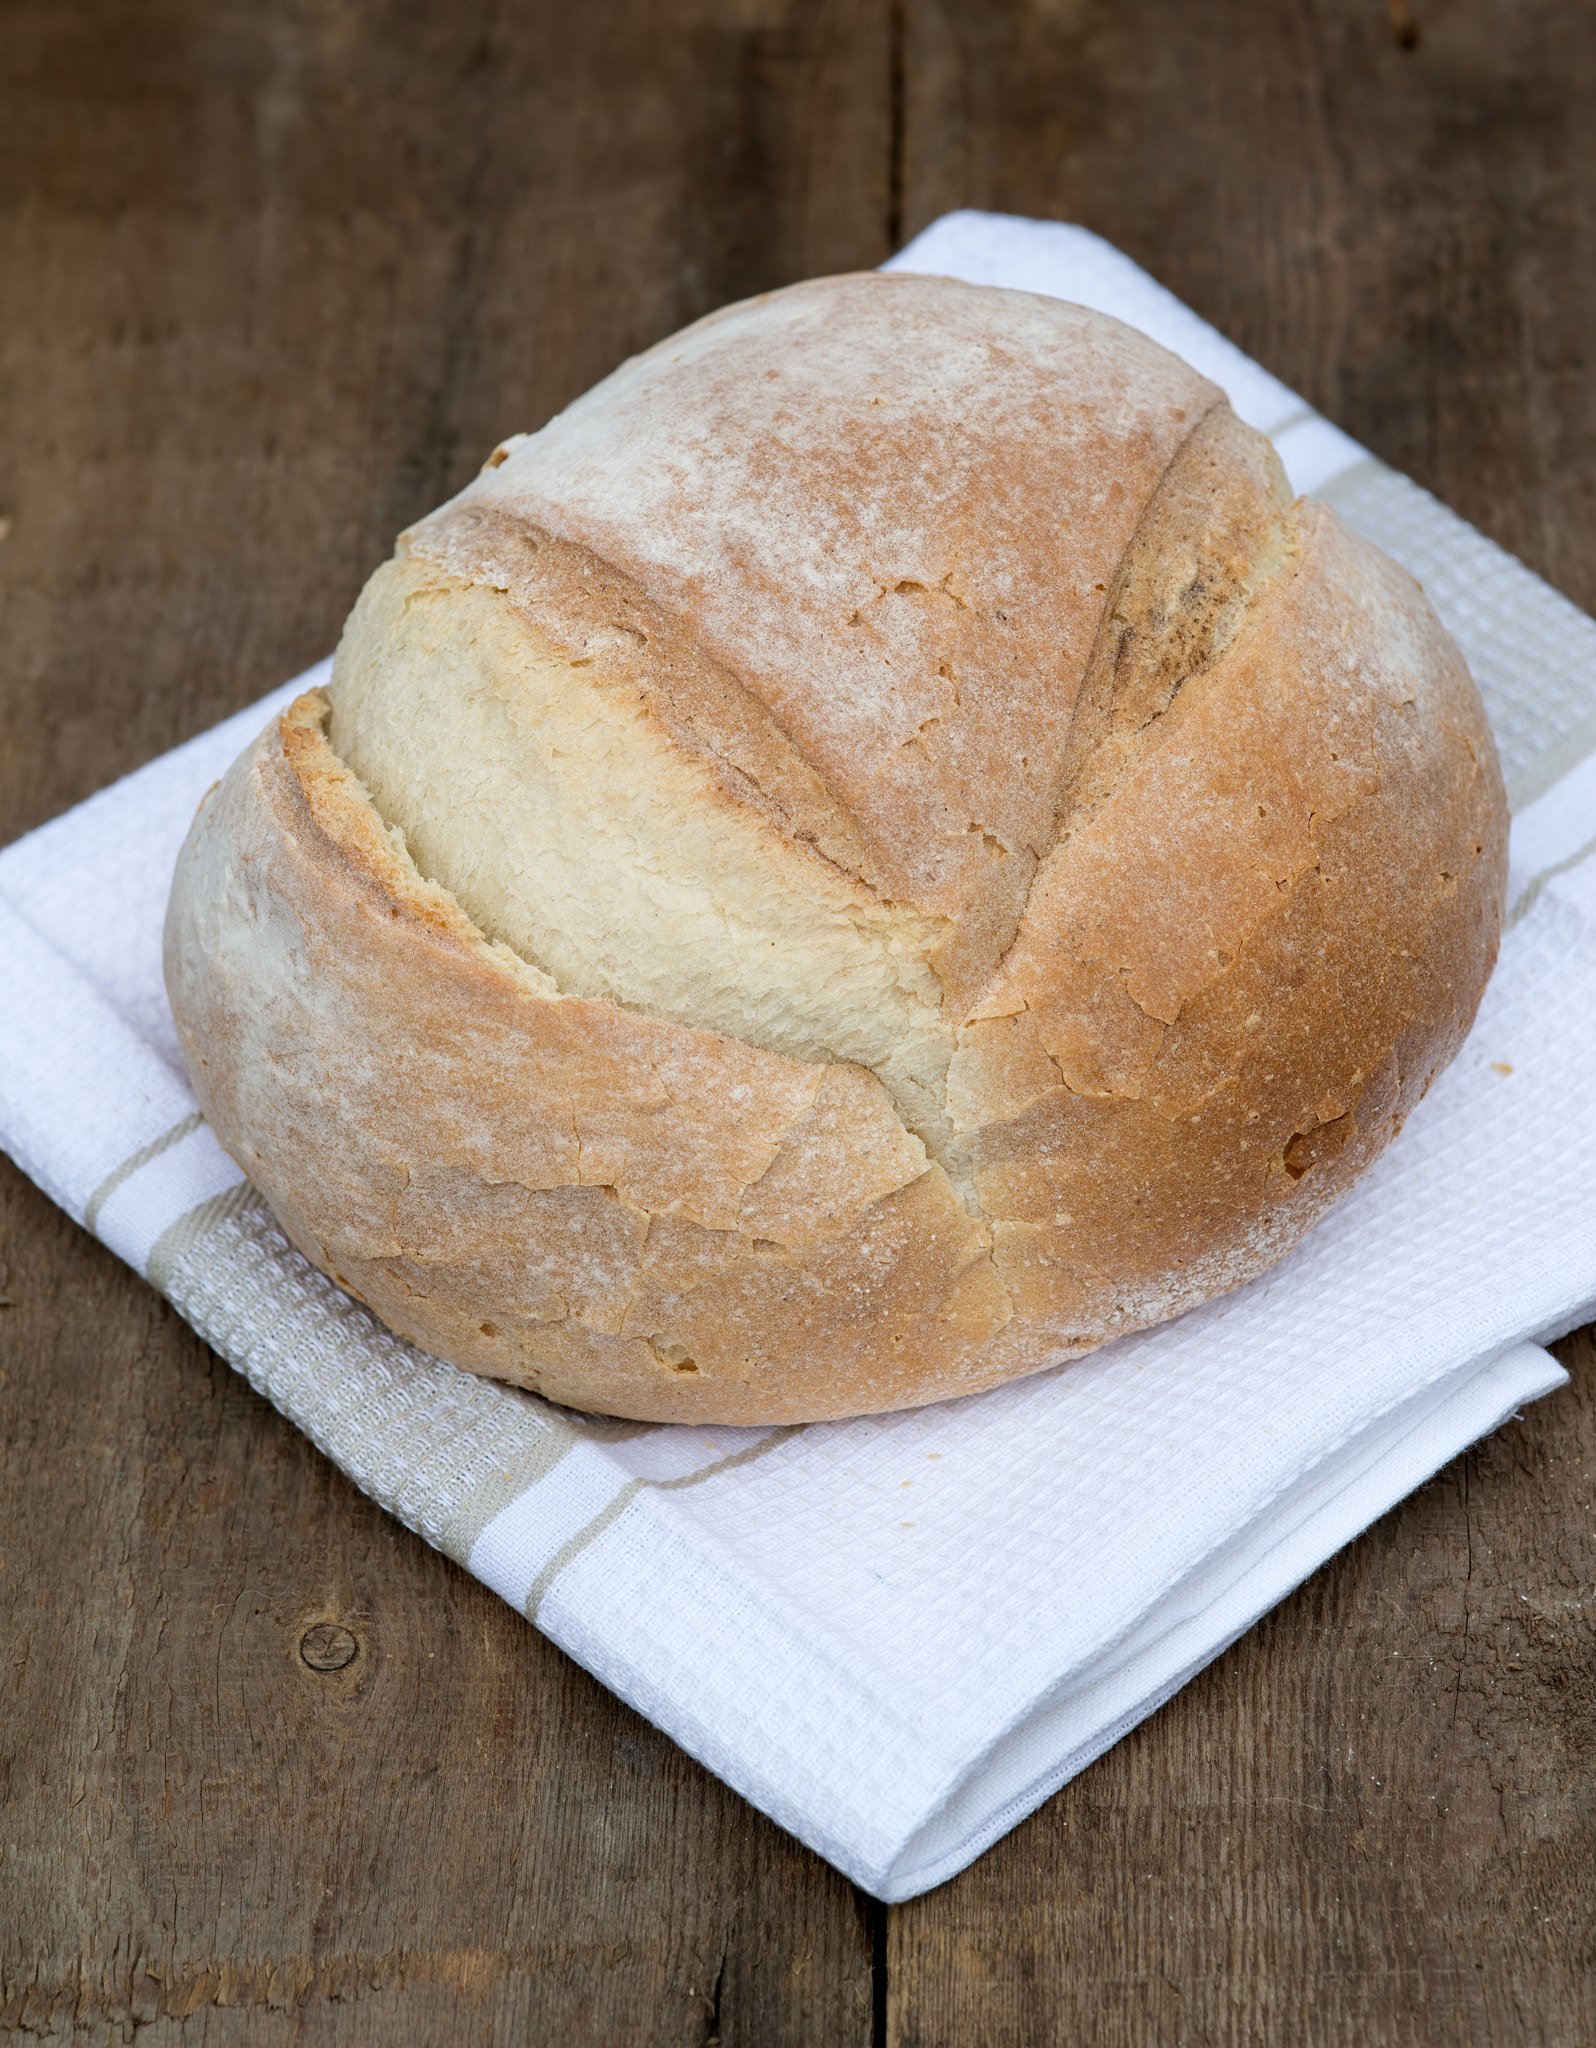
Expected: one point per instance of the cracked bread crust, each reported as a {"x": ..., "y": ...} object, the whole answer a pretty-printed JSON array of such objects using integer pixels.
[
  {"x": 886, "y": 510},
  {"x": 1164, "y": 812},
  {"x": 1238, "y": 974},
  {"x": 624, "y": 1214}
]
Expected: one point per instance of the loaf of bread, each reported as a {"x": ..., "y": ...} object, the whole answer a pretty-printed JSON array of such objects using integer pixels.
[{"x": 877, "y": 852}]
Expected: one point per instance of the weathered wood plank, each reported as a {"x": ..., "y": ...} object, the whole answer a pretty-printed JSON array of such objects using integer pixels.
[
  {"x": 277, "y": 279},
  {"x": 454, "y": 1834},
  {"x": 1388, "y": 203},
  {"x": 1371, "y": 1821}
]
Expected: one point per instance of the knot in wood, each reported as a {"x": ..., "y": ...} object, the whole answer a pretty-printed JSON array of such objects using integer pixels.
[{"x": 328, "y": 1646}]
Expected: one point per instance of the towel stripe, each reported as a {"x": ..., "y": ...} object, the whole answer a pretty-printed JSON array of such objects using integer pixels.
[
  {"x": 569, "y": 1552},
  {"x": 180, "y": 1238},
  {"x": 1530, "y": 893},
  {"x": 142, "y": 1157}
]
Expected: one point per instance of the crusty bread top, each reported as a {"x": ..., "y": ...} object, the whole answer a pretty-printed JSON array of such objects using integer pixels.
[
  {"x": 889, "y": 511},
  {"x": 647, "y": 697},
  {"x": 878, "y": 851}
]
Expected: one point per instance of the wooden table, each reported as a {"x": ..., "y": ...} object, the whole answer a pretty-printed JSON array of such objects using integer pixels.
[{"x": 277, "y": 277}]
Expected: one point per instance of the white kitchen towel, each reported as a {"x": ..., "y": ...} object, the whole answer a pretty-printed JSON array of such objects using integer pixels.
[{"x": 898, "y": 1635}]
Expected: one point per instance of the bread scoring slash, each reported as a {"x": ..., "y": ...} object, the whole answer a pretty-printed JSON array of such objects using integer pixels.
[{"x": 876, "y": 853}]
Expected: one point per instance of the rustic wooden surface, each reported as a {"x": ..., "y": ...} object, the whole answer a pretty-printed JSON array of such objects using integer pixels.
[{"x": 275, "y": 277}]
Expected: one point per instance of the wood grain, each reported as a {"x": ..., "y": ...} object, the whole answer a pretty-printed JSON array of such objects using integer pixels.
[
  {"x": 454, "y": 1835},
  {"x": 1388, "y": 204},
  {"x": 1370, "y": 1821},
  {"x": 275, "y": 279},
  {"x": 280, "y": 277}
]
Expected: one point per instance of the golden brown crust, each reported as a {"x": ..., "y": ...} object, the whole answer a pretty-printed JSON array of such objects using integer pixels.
[
  {"x": 624, "y": 1214},
  {"x": 891, "y": 507},
  {"x": 1183, "y": 793},
  {"x": 1239, "y": 972}
]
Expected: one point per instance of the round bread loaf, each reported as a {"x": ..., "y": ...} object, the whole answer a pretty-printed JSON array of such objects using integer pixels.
[{"x": 875, "y": 853}]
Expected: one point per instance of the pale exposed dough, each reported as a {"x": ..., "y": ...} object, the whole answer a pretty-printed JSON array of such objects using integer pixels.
[
  {"x": 544, "y": 795},
  {"x": 875, "y": 853}
]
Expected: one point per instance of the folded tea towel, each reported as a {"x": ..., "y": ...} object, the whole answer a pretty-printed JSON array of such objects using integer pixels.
[{"x": 898, "y": 1635}]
